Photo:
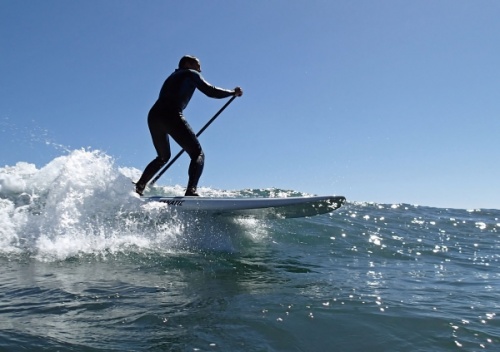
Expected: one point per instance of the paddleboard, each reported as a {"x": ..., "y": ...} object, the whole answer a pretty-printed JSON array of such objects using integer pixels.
[{"x": 267, "y": 208}]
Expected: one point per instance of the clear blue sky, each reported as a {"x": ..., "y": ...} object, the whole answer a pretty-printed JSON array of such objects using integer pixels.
[{"x": 388, "y": 101}]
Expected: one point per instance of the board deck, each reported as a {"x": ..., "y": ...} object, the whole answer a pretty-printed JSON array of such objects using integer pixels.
[{"x": 269, "y": 208}]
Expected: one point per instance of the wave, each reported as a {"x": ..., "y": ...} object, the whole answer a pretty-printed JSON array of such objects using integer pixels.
[{"x": 82, "y": 203}]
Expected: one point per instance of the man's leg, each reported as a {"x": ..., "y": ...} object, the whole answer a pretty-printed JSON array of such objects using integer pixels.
[
  {"x": 150, "y": 170},
  {"x": 194, "y": 173},
  {"x": 162, "y": 146},
  {"x": 185, "y": 137}
]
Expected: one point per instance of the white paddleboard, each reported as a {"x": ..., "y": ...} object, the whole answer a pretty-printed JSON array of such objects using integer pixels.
[{"x": 268, "y": 208}]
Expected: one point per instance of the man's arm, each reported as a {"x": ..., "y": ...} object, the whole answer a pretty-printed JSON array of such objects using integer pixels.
[{"x": 212, "y": 91}]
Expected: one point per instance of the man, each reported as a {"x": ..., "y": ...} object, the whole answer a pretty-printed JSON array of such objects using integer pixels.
[{"x": 166, "y": 119}]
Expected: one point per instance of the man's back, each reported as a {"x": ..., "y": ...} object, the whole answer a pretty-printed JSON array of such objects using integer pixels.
[{"x": 179, "y": 87}]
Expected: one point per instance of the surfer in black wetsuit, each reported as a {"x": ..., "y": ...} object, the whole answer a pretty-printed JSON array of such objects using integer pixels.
[{"x": 166, "y": 119}]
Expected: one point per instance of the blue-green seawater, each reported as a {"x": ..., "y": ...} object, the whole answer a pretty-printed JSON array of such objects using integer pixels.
[{"x": 87, "y": 266}]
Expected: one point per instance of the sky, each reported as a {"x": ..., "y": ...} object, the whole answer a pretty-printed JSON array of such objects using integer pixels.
[{"x": 383, "y": 101}]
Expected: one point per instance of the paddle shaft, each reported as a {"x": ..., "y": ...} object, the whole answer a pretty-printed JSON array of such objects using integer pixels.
[{"x": 197, "y": 135}]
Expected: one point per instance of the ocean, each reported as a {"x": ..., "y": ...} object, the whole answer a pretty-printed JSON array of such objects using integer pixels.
[{"x": 88, "y": 266}]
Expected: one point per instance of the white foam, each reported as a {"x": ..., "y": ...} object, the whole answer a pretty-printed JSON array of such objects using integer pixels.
[{"x": 81, "y": 204}]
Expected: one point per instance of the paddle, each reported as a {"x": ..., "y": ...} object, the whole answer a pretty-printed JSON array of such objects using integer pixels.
[{"x": 197, "y": 135}]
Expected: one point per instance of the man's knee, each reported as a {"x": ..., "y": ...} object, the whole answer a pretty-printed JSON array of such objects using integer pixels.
[
  {"x": 160, "y": 161},
  {"x": 196, "y": 153},
  {"x": 200, "y": 158}
]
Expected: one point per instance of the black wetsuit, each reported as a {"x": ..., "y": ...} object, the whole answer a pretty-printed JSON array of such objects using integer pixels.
[{"x": 165, "y": 118}]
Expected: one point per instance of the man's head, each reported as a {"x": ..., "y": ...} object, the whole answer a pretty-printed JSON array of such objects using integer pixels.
[{"x": 191, "y": 62}]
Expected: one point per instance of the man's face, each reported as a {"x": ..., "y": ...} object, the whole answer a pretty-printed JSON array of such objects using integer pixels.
[{"x": 195, "y": 65}]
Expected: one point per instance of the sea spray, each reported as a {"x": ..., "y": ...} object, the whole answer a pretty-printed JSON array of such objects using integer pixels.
[{"x": 83, "y": 204}]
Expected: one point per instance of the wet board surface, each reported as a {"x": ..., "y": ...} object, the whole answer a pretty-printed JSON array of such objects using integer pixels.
[{"x": 270, "y": 208}]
